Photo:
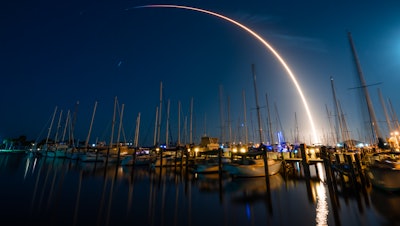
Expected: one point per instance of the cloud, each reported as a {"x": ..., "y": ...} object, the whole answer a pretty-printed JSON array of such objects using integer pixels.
[
  {"x": 271, "y": 30},
  {"x": 255, "y": 19},
  {"x": 303, "y": 42}
]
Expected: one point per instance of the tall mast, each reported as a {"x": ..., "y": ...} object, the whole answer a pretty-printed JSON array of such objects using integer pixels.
[
  {"x": 346, "y": 132},
  {"x": 191, "y": 122},
  {"x": 339, "y": 124},
  {"x": 159, "y": 116},
  {"x": 155, "y": 129},
  {"x": 229, "y": 121},
  {"x": 136, "y": 140},
  {"x": 246, "y": 132},
  {"x": 205, "y": 125},
  {"x": 185, "y": 130},
  {"x": 51, "y": 125},
  {"x": 58, "y": 127},
  {"x": 271, "y": 138},
  {"x": 330, "y": 126},
  {"x": 91, "y": 125},
  {"x": 121, "y": 115},
  {"x": 257, "y": 105},
  {"x": 385, "y": 111},
  {"x": 112, "y": 126},
  {"x": 281, "y": 133},
  {"x": 374, "y": 126},
  {"x": 74, "y": 117},
  {"x": 221, "y": 114},
  {"x": 179, "y": 124},
  {"x": 340, "y": 119},
  {"x": 253, "y": 136},
  {"x": 66, "y": 125},
  {"x": 296, "y": 127},
  {"x": 395, "y": 120},
  {"x": 167, "y": 125}
]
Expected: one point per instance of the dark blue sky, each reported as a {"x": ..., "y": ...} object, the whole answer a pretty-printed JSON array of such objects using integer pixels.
[{"x": 55, "y": 53}]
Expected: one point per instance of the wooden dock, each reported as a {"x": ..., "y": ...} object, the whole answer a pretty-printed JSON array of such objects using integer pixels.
[{"x": 342, "y": 168}]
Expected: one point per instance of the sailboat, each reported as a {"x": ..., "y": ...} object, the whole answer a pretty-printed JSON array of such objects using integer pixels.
[
  {"x": 87, "y": 155},
  {"x": 384, "y": 168},
  {"x": 248, "y": 167},
  {"x": 252, "y": 163},
  {"x": 49, "y": 149}
]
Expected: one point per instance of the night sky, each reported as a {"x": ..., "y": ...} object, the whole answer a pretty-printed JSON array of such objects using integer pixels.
[{"x": 58, "y": 53}]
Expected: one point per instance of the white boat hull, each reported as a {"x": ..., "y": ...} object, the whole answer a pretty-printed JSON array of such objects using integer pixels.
[
  {"x": 211, "y": 166},
  {"x": 384, "y": 178},
  {"x": 91, "y": 157},
  {"x": 206, "y": 168},
  {"x": 384, "y": 170},
  {"x": 253, "y": 170},
  {"x": 139, "y": 161}
]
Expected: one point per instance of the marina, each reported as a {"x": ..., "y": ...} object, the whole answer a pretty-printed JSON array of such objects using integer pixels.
[
  {"x": 197, "y": 151},
  {"x": 61, "y": 191}
]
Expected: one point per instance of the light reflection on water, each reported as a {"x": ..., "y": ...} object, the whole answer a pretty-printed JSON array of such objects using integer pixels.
[
  {"x": 67, "y": 192},
  {"x": 322, "y": 205}
]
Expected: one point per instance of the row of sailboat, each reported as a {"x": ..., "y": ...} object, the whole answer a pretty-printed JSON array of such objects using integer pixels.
[
  {"x": 382, "y": 165},
  {"x": 256, "y": 165},
  {"x": 381, "y": 170}
]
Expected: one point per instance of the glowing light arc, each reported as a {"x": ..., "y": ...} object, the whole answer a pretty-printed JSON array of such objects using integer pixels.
[{"x": 269, "y": 47}]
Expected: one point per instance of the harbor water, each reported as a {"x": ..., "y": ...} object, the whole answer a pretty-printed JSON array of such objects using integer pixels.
[{"x": 58, "y": 191}]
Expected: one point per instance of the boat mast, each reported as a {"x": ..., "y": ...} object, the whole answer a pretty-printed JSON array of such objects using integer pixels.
[
  {"x": 136, "y": 140},
  {"x": 51, "y": 125},
  {"x": 229, "y": 121},
  {"x": 91, "y": 125},
  {"x": 112, "y": 129},
  {"x": 346, "y": 132},
  {"x": 395, "y": 120},
  {"x": 374, "y": 126},
  {"x": 221, "y": 114},
  {"x": 167, "y": 125},
  {"x": 339, "y": 122},
  {"x": 205, "y": 125},
  {"x": 246, "y": 135},
  {"x": 179, "y": 124},
  {"x": 119, "y": 129},
  {"x": 330, "y": 126},
  {"x": 74, "y": 117},
  {"x": 185, "y": 133},
  {"x": 296, "y": 127},
  {"x": 121, "y": 115},
  {"x": 385, "y": 111},
  {"x": 271, "y": 137},
  {"x": 66, "y": 125},
  {"x": 281, "y": 132},
  {"x": 191, "y": 122},
  {"x": 257, "y": 105},
  {"x": 159, "y": 116},
  {"x": 58, "y": 127},
  {"x": 155, "y": 129}
]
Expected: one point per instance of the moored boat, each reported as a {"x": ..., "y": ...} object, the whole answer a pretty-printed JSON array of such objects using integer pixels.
[
  {"x": 253, "y": 167},
  {"x": 140, "y": 160},
  {"x": 91, "y": 157},
  {"x": 211, "y": 165},
  {"x": 384, "y": 171}
]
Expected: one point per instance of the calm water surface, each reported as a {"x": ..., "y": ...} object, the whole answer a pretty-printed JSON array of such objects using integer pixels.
[{"x": 47, "y": 191}]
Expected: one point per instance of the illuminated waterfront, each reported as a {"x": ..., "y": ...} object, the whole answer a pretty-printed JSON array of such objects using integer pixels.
[{"x": 56, "y": 191}]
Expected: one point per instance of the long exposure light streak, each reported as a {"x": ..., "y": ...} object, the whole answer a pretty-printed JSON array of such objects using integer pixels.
[{"x": 269, "y": 47}]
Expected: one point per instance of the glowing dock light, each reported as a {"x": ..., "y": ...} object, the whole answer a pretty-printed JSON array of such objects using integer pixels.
[
  {"x": 275, "y": 53},
  {"x": 235, "y": 150}
]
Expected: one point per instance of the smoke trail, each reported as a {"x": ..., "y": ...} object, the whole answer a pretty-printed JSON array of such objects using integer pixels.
[{"x": 257, "y": 36}]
